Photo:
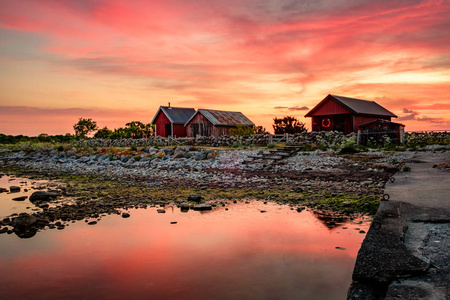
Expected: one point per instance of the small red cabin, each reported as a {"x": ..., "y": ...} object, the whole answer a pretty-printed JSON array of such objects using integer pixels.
[
  {"x": 377, "y": 130},
  {"x": 169, "y": 121},
  {"x": 346, "y": 114},
  {"x": 208, "y": 122}
]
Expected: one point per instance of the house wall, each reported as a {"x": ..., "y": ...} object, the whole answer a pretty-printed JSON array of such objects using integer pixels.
[
  {"x": 160, "y": 122},
  {"x": 359, "y": 120},
  {"x": 198, "y": 119},
  {"x": 200, "y": 125},
  {"x": 179, "y": 130},
  {"x": 342, "y": 123},
  {"x": 331, "y": 107}
]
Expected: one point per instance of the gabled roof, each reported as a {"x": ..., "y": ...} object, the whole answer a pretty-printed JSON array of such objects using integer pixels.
[
  {"x": 223, "y": 118},
  {"x": 356, "y": 106},
  {"x": 380, "y": 121},
  {"x": 176, "y": 115}
]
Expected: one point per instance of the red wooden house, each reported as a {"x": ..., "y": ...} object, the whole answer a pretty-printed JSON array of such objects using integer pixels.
[
  {"x": 346, "y": 114},
  {"x": 207, "y": 122},
  {"x": 169, "y": 121}
]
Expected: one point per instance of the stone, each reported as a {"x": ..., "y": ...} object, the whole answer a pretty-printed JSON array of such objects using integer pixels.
[
  {"x": 22, "y": 198},
  {"x": 212, "y": 154},
  {"x": 3, "y": 190},
  {"x": 14, "y": 189},
  {"x": 24, "y": 220},
  {"x": 203, "y": 206},
  {"x": 160, "y": 154},
  {"x": 125, "y": 215},
  {"x": 194, "y": 197},
  {"x": 43, "y": 196},
  {"x": 161, "y": 211},
  {"x": 200, "y": 155}
]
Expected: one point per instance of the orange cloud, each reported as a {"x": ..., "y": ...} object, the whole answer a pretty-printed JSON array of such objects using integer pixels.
[{"x": 250, "y": 56}]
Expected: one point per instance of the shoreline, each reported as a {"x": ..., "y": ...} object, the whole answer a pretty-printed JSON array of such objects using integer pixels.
[{"x": 337, "y": 185}]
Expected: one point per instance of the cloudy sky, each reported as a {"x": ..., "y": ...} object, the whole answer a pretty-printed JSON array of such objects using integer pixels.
[{"x": 117, "y": 60}]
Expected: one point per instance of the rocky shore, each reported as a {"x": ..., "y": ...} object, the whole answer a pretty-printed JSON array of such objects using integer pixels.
[{"x": 111, "y": 180}]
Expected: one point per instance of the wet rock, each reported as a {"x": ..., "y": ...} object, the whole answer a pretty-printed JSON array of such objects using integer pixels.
[
  {"x": 203, "y": 206},
  {"x": 22, "y": 198},
  {"x": 184, "y": 207},
  {"x": 24, "y": 220},
  {"x": 43, "y": 196},
  {"x": 194, "y": 197},
  {"x": 14, "y": 189}
]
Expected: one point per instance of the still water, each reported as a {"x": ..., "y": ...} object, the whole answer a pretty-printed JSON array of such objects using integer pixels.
[{"x": 239, "y": 253}]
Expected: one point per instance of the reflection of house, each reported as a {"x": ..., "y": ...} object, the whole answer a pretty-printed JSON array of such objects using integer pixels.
[
  {"x": 169, "y": 121},
  {"x": 207, "y": 122},
  {"x": 378, "y": 129},
  {"x": 346, "y": 114}
]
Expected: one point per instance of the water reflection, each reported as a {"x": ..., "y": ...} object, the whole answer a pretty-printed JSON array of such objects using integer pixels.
[{"x": 239, "y": 253}]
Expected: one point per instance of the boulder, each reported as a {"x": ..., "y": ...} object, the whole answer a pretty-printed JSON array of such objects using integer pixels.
[
  {"x": 43, "y": 196},
  {"x": 14, "y": 189},
  {"x": 22, "y": 198},
  {"x": 24, "y": 220},
  {"x": 203, "y": 206},
  {"x": 160, "y": 154},
  {"x": 194, "y": 197},
  {"x": 3, "y": 190},
  {"x": 200, "y": 155},
  {"x": 212, "y": 154}
]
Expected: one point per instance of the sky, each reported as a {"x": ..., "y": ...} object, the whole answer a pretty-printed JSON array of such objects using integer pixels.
[{"x": 117, "y": 61}]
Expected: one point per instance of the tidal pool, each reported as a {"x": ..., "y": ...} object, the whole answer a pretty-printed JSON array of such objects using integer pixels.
[{"x": 241, "y": 251}]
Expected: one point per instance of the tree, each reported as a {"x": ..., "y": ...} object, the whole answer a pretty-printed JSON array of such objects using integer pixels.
[
  {"x": 242, "y": 129},
  {"x": 138, "y": 130},
  {"x": 84, "y": 127},
  {"x": 260, "y": 130},
  {"x": 288, "y": 125},
  {"x": 102, "y": 133}
]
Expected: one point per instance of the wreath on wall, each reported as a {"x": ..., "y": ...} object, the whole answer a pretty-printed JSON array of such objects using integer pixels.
[{"x": 326, "y": 122}]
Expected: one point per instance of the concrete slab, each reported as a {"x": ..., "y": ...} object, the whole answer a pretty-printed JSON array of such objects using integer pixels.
[{"x": 406, "y": 255}]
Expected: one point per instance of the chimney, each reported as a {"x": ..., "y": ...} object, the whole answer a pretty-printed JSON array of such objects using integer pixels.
[{"x": 169, "y": 104}]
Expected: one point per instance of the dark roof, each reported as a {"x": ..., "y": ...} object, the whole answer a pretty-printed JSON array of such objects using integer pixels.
[
  {"x": 223, "y": 118},
  {"x": 176, "y": 115},
  {"x": 356, "y": 106},
  {"x": 380, "y": 121}
]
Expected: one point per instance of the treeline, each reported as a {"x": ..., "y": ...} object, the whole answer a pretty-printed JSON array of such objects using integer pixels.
[
  {"x": 42, "y": 138},
  {"x": 86, "y": 127}
]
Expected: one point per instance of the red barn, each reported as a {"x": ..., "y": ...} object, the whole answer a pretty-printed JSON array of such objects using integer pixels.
[
  {"x": 169, "y": 121},
  {"x": 345, "y": 114},
  {"x": 207, "y": 122}
]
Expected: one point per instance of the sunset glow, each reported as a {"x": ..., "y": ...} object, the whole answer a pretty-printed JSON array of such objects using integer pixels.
[{"x": 116, "y": 61}]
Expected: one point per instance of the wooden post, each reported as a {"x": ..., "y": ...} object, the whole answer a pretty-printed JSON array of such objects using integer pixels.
[{"x": 358, "y": 137}]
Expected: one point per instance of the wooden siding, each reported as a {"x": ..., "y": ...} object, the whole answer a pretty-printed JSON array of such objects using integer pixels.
[
  {"x": 342, "y": 123},
  {"x": 161, "y": 121},
  {"x": 359, "y": 120},
  {"x": 331, "y": 107},
  {"x": 179, "y": 130},
  {"x": 200, "y": 125}
]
